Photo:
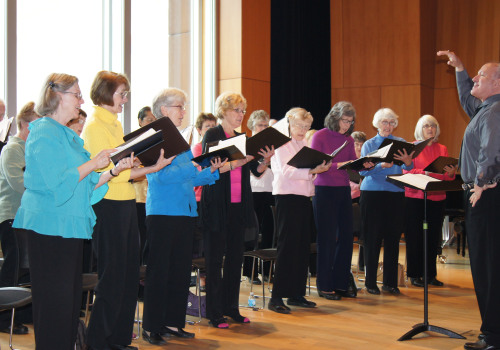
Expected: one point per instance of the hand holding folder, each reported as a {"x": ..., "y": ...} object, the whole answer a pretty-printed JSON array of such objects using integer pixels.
[
  {"x": 239, "y": 147},
  {"x": 165, "y": 136},
  {"x": 310, "y": 158}
]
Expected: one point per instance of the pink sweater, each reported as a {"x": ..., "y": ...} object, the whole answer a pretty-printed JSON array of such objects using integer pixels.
[{"x": 428, "y": 155}]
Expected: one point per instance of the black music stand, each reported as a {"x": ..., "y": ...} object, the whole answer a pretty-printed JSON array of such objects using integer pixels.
[{"x": 426, "y": 184}]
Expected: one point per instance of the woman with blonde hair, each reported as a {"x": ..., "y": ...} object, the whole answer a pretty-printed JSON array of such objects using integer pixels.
[
  {"x": 227, "y": 209},
  {"x": 293, "y": 189}
]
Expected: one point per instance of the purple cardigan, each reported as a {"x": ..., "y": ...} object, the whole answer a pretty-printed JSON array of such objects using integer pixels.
[{"x": 327, "y": 141}]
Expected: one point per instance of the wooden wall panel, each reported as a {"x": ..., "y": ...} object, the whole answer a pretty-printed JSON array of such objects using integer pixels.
[
  {"x": 256, "y": 34},
  {"x": 380, "y": 42},
  {"x": 405, "y": 102},
  {"x": 245, "y": 51}
]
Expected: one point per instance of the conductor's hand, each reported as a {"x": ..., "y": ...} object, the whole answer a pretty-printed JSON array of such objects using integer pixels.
[
  {"x": 216, "y": 163},
  {"x": 321, "y": 168},
  {"x": 453, "y": 60},
  {"x": 477, "y": 191}
]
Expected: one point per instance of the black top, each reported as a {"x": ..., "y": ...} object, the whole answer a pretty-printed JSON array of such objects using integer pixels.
[{"x": 216, "y": 198}]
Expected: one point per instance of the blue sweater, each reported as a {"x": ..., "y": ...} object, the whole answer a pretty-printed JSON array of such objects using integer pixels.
[
  {"x": 375, "y": 179},
  {"x": 55, "y": 202},
  {"x": 171, "y": 190}
]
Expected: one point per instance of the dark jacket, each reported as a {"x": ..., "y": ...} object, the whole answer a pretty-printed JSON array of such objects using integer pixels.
[{"x": 215, "y": 199}]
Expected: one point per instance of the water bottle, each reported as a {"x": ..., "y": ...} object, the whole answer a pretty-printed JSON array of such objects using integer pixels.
[{"x": 251, "y": 300}]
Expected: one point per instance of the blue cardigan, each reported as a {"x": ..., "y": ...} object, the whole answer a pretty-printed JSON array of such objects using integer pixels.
[
  {"x": 171, "y": 190},
  {"x": 375, "y": 179}
]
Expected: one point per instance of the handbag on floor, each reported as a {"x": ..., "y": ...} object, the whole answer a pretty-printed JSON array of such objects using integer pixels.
[{"x": 192, "y": 305}]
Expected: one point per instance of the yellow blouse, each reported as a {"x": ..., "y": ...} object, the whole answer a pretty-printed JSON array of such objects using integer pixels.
[{"x": 102, "y": 131}]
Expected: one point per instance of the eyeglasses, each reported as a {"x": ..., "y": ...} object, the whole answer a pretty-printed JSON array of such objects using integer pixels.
[
  {"x": 123, "y": 94},
  {"x": 426, "y": 126},
  {"x": 242, "y": 111},
  {"x": 347, "y": 121},
  {"x": 78, "y": 95},
  {"x": 182, "y": 108},
  {"x": 385, "y": 123},
  {"x": 301, "y": 127}
]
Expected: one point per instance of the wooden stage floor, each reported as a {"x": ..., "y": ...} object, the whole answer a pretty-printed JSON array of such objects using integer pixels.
[{"x": 367, "y": 322}]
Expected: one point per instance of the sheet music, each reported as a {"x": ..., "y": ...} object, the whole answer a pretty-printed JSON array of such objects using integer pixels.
[
  {"x": 239, "y": 141},
  {"x": 282, "y": 126},
  {"x": 381, "y": 152},
  {"x": 138, "y": 139},
  {"x": 417, "y": 180}
]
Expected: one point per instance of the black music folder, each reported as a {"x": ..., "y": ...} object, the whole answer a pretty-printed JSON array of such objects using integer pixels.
[
  {"x": 232, "y": 148},
  {"x": 267, "y": 137},
  {"x": 172, "y": 141},
  {"x": 238, "y": 147},
  {"x": 310, "y": 158},
  {"x": 385, "y": 153},
  {"x": 400, "y": 145},
  {"x": 139, "y": 145},
  {"x": 437, "y": 166},
  {"x": 425, "y": 182}
]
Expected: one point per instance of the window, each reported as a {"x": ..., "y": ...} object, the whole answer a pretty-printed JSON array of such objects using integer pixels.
[{"x": 81, "y": 38}]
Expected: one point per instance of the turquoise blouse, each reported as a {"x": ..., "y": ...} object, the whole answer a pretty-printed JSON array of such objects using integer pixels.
[{"x": 55, "y": 202}]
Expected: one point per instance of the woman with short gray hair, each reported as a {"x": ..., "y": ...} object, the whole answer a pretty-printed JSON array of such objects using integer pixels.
[
  {"x": 380, "y": 200},
  {"x": 427, "y": 127}
]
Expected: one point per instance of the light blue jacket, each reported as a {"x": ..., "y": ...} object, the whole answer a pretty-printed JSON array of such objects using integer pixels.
[
  {"x": 55, "y": 202},
  {"x": 375, "y": 179},
  {"x": 171, "y": 190}
]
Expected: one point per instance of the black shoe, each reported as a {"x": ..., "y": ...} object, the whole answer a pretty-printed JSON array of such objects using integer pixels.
[
  {"x": 280, "y": 308},
  {"x": 481, "y": 336},
  {"x": 301, "y": 301},
  {"x": 346, "y": 293},
  {"x": 181, "y": 333},
  {"x": 392, "y": 290},
  {"x": 435, "y": 282},
  {"x": 479, "y": 345},
  {"x": 417, "y": 281},
  {"x": 329, "y": 296},
  {"x": 238, "y": 318},
  {"x": 220, "y": 323},
  {"x": 153, "y": 338},
  {"x": 373, "y": 290},
  {"x": 123, "y": 347},
  {"x": 19, "y": 328}
]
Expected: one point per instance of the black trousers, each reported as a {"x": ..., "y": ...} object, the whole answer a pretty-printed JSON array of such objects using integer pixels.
[
  {"x": 8, "y": 241},
  {"x": 56, "y": 276},
  {"x": 382, "y": 214},
  {"x": 294, "y": 215},
  {"x": 483, "y": 227},
  {"x": 223, "y": 288},
  {"x": 414, "y": 235},
  {"x": 116, "y": 244},
  {"x": 262, "y": 202},
  {"x": 333, "y": 215},
  {"x": 168, "y": 273}
]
